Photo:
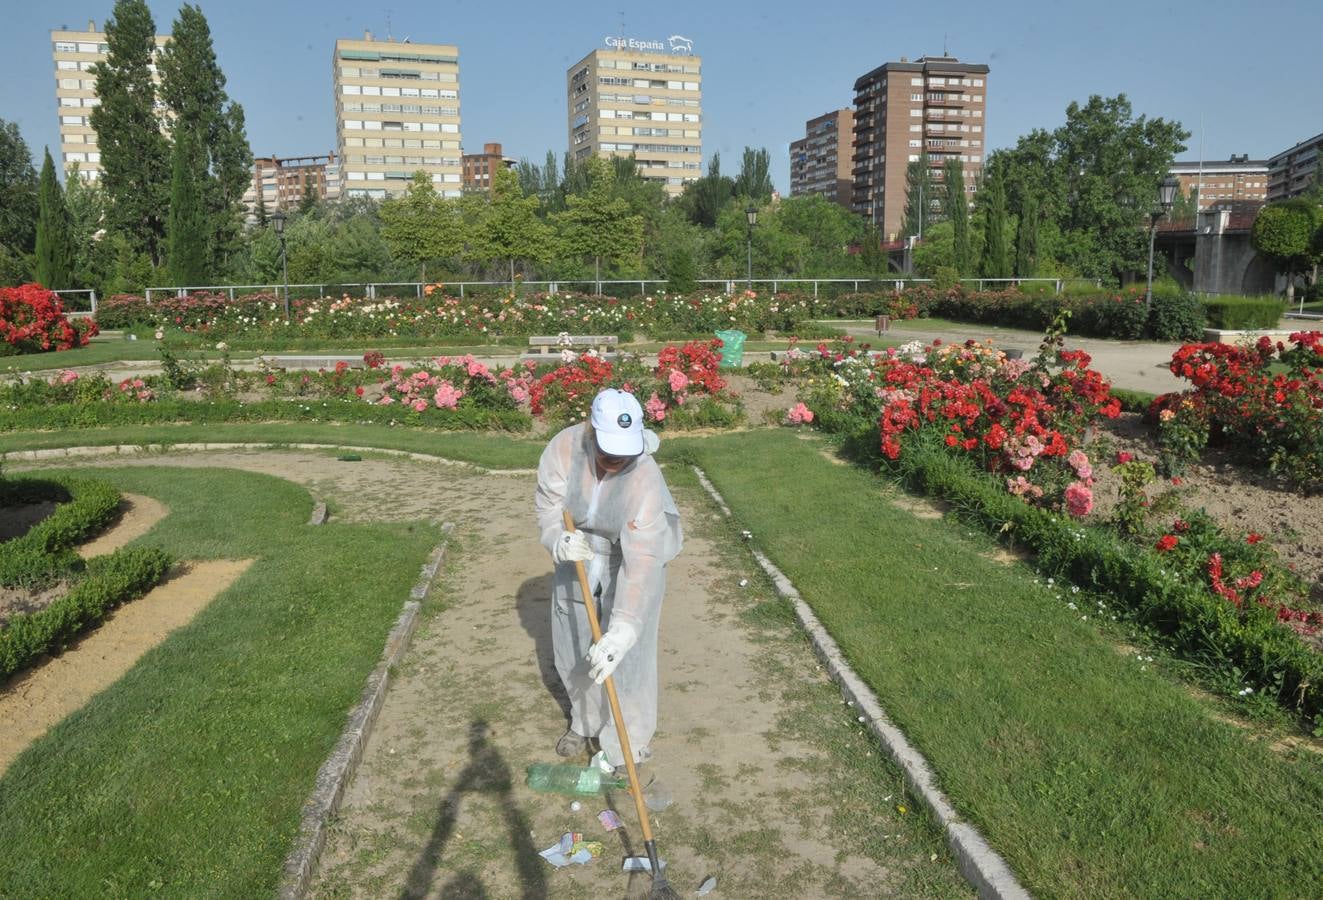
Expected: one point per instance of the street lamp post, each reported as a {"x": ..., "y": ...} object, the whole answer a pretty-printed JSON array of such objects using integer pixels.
[
  {"x": 1166, "y": 197},
  {"x": 278, "y": 221},
  {"x": 752, "y": 215}
]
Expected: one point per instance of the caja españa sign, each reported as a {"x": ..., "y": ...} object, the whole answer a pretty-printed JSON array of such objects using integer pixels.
[{"x": 676, "y": 43}]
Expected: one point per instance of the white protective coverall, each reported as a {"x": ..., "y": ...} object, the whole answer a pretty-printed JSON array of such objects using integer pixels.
[{"x": 632, "y": 524}]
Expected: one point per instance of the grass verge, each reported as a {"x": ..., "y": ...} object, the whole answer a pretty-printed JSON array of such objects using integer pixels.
[
  {"x": 186, "y": 778},
  {"x": 1094, "y": 774}
]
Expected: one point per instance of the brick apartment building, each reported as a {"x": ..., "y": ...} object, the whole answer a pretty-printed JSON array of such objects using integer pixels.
[
  {"x": 901, "y": 108},
  {"x": 1292, "y": 171},
  {"x": 281, "y": 181},
  {"x": 1219, "y": 181},
  {"x": 479, "y": 167},
  {"x": 821, "y": 161}
]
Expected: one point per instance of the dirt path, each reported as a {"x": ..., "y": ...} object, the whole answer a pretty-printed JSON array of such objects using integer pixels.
[{"x": 776, "y": 788}]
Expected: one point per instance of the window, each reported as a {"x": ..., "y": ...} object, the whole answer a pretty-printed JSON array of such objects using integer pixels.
[
  {"x": 919, "y": 96},
  {"x": 916, "y": 112},
  {"x": 351, "y": 89},
  {"x": 73, "y": 120},
  {"x": 66, "y": 64},
  {"x": 691, "y": 85},
  {"x": 916, "y": 82},
  {"x": 66, "y": 47}
]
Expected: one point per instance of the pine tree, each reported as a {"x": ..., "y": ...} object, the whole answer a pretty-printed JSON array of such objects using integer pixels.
[
  {"x": 54, "y": 254},
  {"x": 957, "y": 211},
  {"x": 1026, "y": 238},
  {"x": 193, "y": 88},
  {"x": 996, "y": 257},
  {"x": 135, "y": 156},
  {"x": 187, "y": 230}
]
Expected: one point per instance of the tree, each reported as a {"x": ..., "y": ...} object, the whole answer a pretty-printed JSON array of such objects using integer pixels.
[
  {"x": 957, "y": 212},
  {"x": 755, "y": 178},
  {"x": 1096, "y": 178},
  {"x": 1026, "y": 238},
  {"x": 94, "y": 256},
  {"x": 1286, "y": 233},
  {"x": 307, "y": 194},
  {"x": 186, "y": 228},
  {"x": 18, "y": 191},
  {"x": 193, "y": 88},
  {"x": 135, "y": 157},
  {"x": 919, "y": 196},
  {"x": 597, "y": 224},
  {"x": 1185, "y": 206},
  {"x": 506, "y": 226},
  {"x": 260, "y": 212},
  {"x": 704, "y": 198},
  {"x": 421, "y": 226},
  {"x": 54, "y": 249},
  {"x": 996, "y": 258}
]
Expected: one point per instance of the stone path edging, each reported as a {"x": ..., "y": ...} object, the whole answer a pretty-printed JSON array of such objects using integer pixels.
[
  {"x": 140, "y": 449},
  {"x": 982, "y": 866},
  {"x": 336, "y": 773}
]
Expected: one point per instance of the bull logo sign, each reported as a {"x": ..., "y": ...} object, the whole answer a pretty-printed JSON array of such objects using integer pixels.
[{"x": 680, "y": 44}]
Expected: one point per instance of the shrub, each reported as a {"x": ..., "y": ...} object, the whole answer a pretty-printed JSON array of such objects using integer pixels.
[
  {"x": 1176, "y": 316},
  {"x": 32, "y": 320},
  {"x": 85, "y": 506},
  {"x": 1243, "y": 313},
  {"x": 109, "y": 582}
]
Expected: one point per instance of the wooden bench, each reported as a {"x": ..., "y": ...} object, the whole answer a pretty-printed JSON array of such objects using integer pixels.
[{"x": 547, "y": 346}]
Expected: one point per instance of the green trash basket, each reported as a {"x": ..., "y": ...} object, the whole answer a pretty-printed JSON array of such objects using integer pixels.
[{"x": 732, "y": 349}]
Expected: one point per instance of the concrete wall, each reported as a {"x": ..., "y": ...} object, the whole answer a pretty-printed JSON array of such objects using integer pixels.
[{"x": 1225, "y": 263}]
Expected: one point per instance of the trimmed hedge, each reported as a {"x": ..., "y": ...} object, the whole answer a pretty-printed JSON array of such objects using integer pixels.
[
  {"x": 85, "y": 506},
  {"x": 93, "y": 414},
  {"x": 1196, "y": 623},
  {"x": 1243, "y": 313},
  {"x": 110, "y": 581}
]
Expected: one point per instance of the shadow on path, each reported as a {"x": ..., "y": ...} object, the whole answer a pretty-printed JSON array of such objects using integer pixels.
[
  {"x": 486, "y": 773},
  {"x": 533, "y": 601}
]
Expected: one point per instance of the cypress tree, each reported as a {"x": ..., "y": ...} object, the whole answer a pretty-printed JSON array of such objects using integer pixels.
[
  {"x": 54, "y": 255},
  {"x": 187, "y": 231},
  {"x": 996, "y": 258},
  {"x": 957, "y": 210},
  {"x": 193, "y": 88},
  {"x": 135, "y": 158},
  {"x": 18, "y": 191},
  {"x": 918, "y": 197},
  {"x": 1026, "y": 238}
]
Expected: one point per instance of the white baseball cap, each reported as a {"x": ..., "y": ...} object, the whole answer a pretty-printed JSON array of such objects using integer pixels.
[{"x": 618, "y": 421}]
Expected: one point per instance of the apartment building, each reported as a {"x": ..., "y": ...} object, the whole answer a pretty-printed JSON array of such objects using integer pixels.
[
  {"x": 1220, "y": 181},
  {"x": 642, "y": 98},
  {"x": 396, "y": 113},
  {"x": 74, "y": 53},
  {"x": 479, "y": 167},
  {"x": 901, "y": 108},
  {"x": 821, "y": 162},
  {"x": 282, "y": 181},
  {"x": 1292, "y": 171}
]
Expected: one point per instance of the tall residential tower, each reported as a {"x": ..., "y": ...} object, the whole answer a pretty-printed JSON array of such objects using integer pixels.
[
  {"x": 901, "y": 108},
  {"x": 396, "y": 113},
  {"x": 820, "y": 161},
  {"x": 642, "y": 98},
  {"x": 75, "y": 52}
]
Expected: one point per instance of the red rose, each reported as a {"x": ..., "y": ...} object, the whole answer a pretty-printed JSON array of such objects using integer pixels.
[
  {"x": 1124, "y": 457},
  {"x": 1166, "y": 542},
  {"x": 1253, "y": 538}
]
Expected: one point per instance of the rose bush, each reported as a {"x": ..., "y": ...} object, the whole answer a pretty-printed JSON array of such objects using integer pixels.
[
  {"x": 32, "y": 320},
  {"x": 1242, "y": 398}
]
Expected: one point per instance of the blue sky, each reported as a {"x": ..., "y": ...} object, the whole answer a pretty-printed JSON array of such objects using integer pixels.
[{"x": 1248, "y": 71}]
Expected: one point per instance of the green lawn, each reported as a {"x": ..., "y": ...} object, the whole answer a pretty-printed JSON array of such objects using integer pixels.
[
  {"x": 187, "y": 777},
  {"x": 1093, "y": 775}
]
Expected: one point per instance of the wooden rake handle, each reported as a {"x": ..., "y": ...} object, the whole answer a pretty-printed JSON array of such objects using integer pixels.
[{"x": 616, "y": 714}]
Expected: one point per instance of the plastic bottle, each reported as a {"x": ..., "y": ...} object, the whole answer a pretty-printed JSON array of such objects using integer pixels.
[{"x": 565, "y": 779}]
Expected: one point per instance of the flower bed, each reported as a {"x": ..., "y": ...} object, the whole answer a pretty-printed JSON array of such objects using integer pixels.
[
  {"x": 1242, "y": 398},
  {"x": 32, "y": 320},
  {"x": 1004, "y": 441}
]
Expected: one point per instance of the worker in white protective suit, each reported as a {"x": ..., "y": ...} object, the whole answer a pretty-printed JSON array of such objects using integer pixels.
[{"x": 626, "y": 530}]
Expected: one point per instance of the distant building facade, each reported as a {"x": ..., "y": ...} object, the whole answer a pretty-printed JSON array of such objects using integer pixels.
[
  {"x": 902, "y": 108},
  {"x": 74, "y": 53},
  {"x": 396, "y": 113},
  {"x": 280, "y": 182},
  {"x": 1292, "y": 171},
  {"x": 1220, "y": 181},
  {"x": 480, "y": 167},
  {"x": 821, "y": 161},
  {"x": 637, "y": 98}
]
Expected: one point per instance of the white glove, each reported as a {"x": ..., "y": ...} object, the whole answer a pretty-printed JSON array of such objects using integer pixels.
[
  {"x": 606, "y": 654},
  {"x": 650, "y": 441},
  {"x": 572, "y": 546}
]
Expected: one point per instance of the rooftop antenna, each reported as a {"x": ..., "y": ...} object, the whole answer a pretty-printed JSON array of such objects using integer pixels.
[
  {"x": 944, "y": 53},
  {"x": 389, "y": 37},
  {"x": 622, "y": 24}
]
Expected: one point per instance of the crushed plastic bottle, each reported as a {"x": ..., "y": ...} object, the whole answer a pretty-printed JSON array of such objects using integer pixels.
[{"x": 571, "y": 780}]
